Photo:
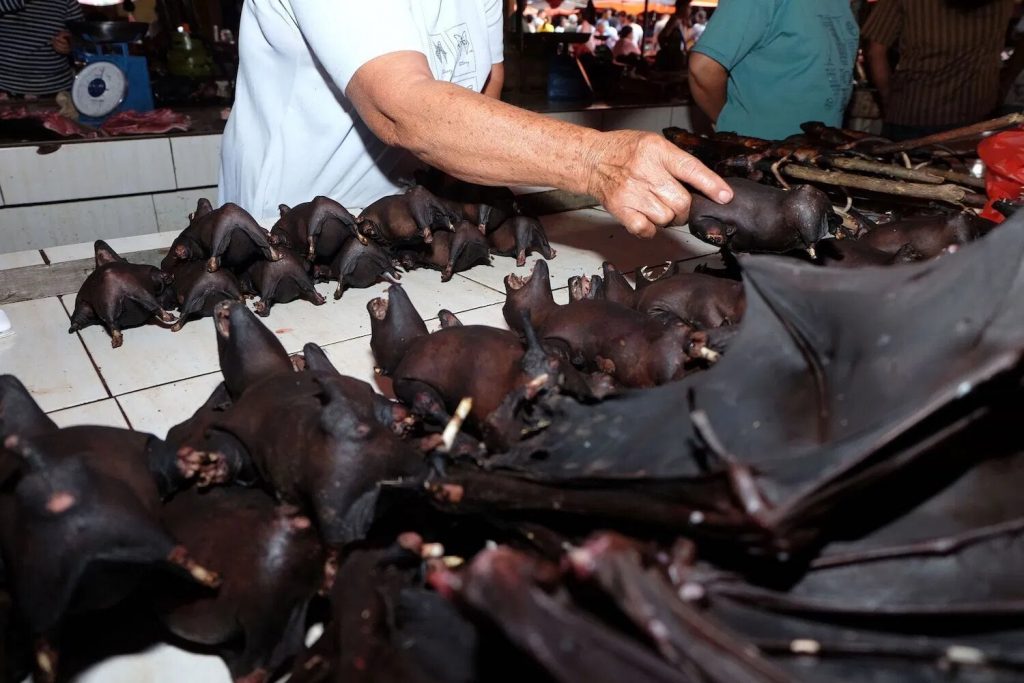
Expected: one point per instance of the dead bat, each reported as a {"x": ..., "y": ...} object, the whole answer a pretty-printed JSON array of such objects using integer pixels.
[
  {"x": 408, "y": 218},
  {"x": 312, "y": 440},
  {"x": 450, "y": 252},
  {"x": 282, "y": 281},
  {"x": 226, "y": 236},
  {"x": 79, "y": 532},
  {"x": 197, "y": 290},
  {"x": 118, "y": 295},
  {"x": 804, "y": 415},
  {"x": 256, "y": 621},
  {"x": 318, "y": 228}
]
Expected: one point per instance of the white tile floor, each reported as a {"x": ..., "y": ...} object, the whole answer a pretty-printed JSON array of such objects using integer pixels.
[{"x": 158, "y": 378}]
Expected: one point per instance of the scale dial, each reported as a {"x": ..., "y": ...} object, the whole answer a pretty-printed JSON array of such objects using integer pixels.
[{"x": 99, "y": 89}]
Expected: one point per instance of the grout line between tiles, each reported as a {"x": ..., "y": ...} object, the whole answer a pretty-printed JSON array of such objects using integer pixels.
[
  {"x": 95, "y": 367},
  {"x": 475, "y": 282},
  {"x": 123, "y": 414},
  {"x": 88, "y": 353},
  {"x": 77, "y": 405},
  {"x": 164, "y": 384}
]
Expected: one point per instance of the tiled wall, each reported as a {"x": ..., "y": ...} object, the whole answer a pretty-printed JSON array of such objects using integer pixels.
[
  {"x": 112, "y": 188},
  {"x": 115, "y": 188}
]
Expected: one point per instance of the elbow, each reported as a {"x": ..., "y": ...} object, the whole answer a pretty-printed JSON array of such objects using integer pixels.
[
  {"x": 391, "y": 97},
  {"x": 877, "y": 53}
]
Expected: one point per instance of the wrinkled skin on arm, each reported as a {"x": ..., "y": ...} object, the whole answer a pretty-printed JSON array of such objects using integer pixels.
[{"x": 638, "y": 176}]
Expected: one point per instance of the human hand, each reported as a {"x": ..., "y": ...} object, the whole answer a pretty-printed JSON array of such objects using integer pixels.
[
  {"x": 62, "y": 43},
  {"x": 636, "y": 176}
]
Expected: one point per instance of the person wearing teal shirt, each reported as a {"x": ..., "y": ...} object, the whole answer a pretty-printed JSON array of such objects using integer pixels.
[{"x": 763, "y": 67}]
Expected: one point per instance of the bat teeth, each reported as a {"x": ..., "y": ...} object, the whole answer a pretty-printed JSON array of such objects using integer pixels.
[
  {"x": 60, "y": 501},
  {"x": 203, "y": 575},
  {"x": 45, "y": 663}
]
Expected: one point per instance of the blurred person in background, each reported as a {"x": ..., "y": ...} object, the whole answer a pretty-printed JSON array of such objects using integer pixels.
[
  {"x": 625, "y": 50},
  {"x": 636, "y": 33},
  {"x": 763, "y": 67},
  {"x": 672, "y": 40},
  {"x": 35, "y": 46},
  {"x": 700, "y": 22},
  {"x": 948, "y": 73}
]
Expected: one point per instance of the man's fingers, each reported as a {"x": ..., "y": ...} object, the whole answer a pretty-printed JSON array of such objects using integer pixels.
[
  {"x": 688, "y": 169},
  {"x": 655, "y": 210},
  {"x": 636, "y": 223},
  {"x": 677, "y": 199}
]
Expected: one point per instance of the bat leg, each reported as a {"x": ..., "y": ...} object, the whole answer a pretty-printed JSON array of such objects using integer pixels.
[{"x": 309, "y": 292}]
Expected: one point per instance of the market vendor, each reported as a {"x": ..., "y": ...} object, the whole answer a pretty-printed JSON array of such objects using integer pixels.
[
  {"x": 35, "y": 44},
  {"x": 322, "y": 107},
  {"x": 763, "y": 67},
  {"x": 948, "y": 74}
]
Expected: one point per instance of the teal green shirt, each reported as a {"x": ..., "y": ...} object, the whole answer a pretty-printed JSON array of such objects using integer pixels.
[{"x": 789, "y": 61}]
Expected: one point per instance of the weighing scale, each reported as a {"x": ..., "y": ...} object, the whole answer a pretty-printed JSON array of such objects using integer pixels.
[{"x": 112, "y": 79}]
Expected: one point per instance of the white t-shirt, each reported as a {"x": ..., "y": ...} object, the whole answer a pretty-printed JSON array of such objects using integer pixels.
[
  {"x": 292, "y": 133},
  {"x": 636, "y": 34}
]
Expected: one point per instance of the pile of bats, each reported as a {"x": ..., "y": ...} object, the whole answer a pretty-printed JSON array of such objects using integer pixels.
[
  {"x": 810, "y": 475},
  {"x": 863, "y": 170},
  {"x": 225, "y": 254}
]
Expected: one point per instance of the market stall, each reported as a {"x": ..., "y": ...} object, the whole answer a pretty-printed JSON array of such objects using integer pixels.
[{"x": 464, "y": 432}]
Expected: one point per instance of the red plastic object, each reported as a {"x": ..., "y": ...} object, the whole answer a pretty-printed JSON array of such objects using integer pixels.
[{"x": 1003, "y": 155}]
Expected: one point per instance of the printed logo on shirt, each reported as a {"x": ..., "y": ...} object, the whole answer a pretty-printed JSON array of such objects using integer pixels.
[
  {"x": 839, "y": 79},
  {"x": 452, "y": 56}
]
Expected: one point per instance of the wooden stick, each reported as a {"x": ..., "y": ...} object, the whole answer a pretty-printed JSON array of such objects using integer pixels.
[
  {"x": 944, "y": 193},
  {"x": 959, "y": 178},
  {"x": 891, "y": 170},
  {"x": 967, "y": 131}
]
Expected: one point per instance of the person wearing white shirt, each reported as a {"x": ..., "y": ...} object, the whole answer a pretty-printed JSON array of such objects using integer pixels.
[
  {"x": 324, "y": 108},
  {"x": 636, "y": 31}
]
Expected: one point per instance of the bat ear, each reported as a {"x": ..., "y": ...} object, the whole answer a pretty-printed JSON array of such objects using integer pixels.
[
  {"x": 203, "y": 207},
  {"x": 105, "y": 254}
]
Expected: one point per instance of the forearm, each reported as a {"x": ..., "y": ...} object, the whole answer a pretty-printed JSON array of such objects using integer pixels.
[
  {"x": 880, "y": 70},
  {"x": 431, "y": 119},
  {"x": 708, "y": 85},
  {"x": 496, "y": 81}
]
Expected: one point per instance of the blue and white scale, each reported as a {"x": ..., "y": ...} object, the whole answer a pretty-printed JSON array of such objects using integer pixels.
[{"x": 111, "y": 81}]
